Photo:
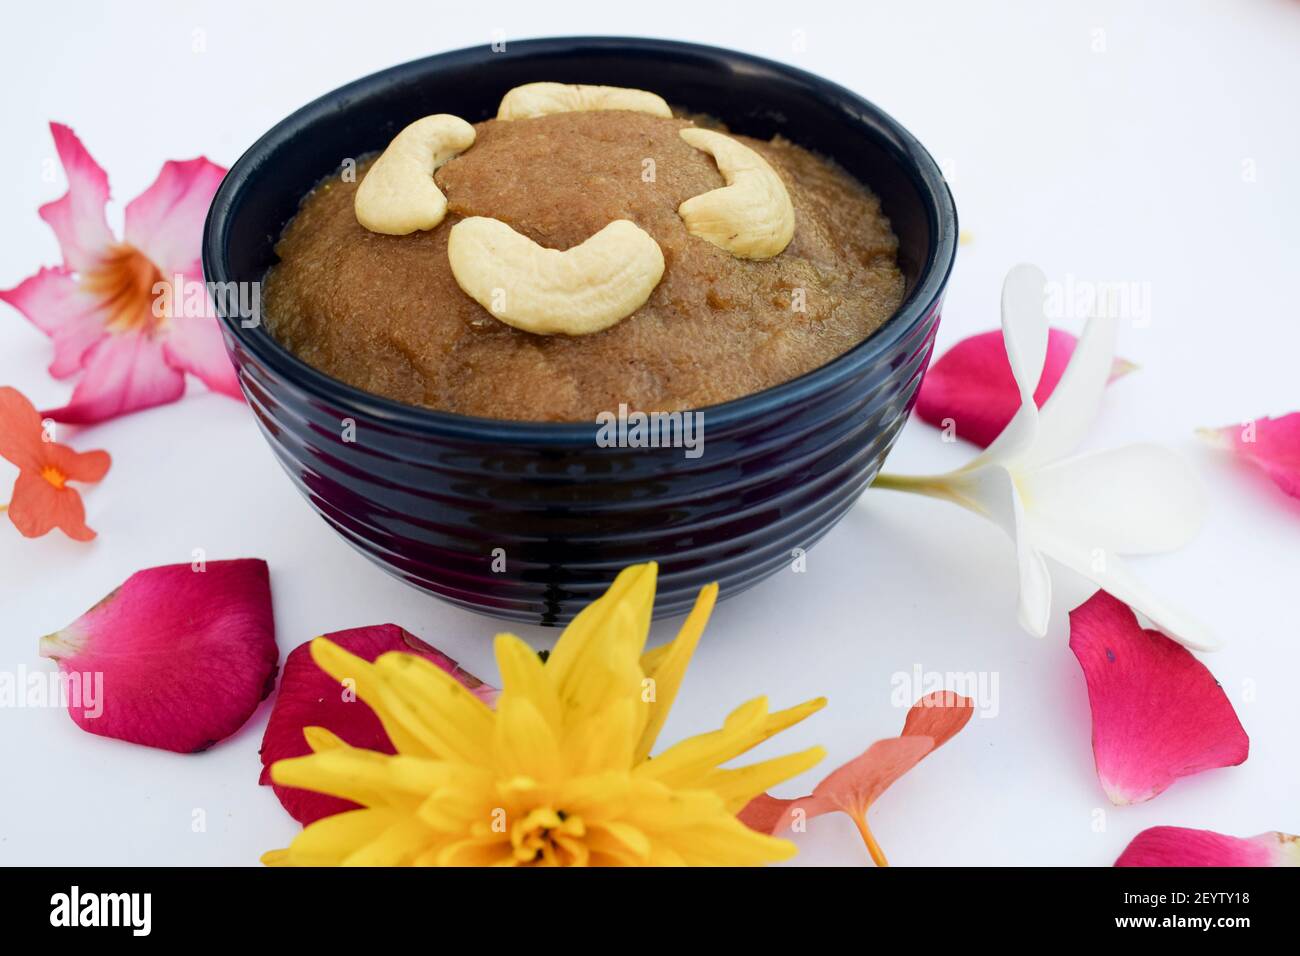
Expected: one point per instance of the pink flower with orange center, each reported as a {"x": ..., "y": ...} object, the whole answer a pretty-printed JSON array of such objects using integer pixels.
[{"x": 101, "y": 306}]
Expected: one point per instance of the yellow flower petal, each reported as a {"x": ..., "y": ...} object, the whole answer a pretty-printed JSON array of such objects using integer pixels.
[
  {"x": 597, "y": 658},
  {"x": 399, "y": 845},
  {"x": 331, "y": 840},
  {"x": 740, "y": 785},
  {"x": 727, "y": 842},
  {"x": 364, "y": 776},
  {"x": 666, "y": 666},
  {"x": 401, "y": 725},
  {"x": 605, "y": 742},
  {"x": 523, "y": 675},
  {"x": 320, "y": 739},
  {"x": 524, "y": 743},
  {"x": 622, "y": 841},
  {"x": 450, "y": 720},
  {"x": 684, "y": 764}
]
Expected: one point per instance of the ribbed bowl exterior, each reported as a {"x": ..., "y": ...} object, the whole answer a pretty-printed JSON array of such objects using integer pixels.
[
  {"x": 558, "y": 520},
  {"x": 529, "y": 521}
]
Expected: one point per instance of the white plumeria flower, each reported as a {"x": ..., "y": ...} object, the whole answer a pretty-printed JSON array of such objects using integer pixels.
[{"x": 1081, "y": 511}]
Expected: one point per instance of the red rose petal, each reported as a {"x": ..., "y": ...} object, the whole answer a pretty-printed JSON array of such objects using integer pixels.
[
  {"x": 971, "y": 385},
  {"x": 1157, "y": 713},
  {"x": 183, "y": 657},
  {"x": 1180, "y": 846},
  {"x": 311, "y": 698}
]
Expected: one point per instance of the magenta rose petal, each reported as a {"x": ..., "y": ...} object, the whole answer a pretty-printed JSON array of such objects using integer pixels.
[
  {"x": 1272, "y": 444},
  {"x": 175, "y": 658},
  {"x": 1181, "y": 846},
  {"x": 972, "y": 387},
  {"x": 1157, "y": 713},
  {"x": 309, "y": 697}
]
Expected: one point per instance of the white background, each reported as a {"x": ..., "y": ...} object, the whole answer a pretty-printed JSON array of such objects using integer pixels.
[{"x": 1120, "y": 164}]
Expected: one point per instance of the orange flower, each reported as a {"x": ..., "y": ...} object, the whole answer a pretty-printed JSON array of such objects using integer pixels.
[{"x": 42, "y": 499}]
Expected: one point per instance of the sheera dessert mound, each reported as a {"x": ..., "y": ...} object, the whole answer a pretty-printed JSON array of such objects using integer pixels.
[{"x": 581, "y": 260}]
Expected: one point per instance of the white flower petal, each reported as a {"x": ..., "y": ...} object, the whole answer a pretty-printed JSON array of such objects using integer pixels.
[
  {"x": 1035, "y": 583},
  {"x": 1072, "y": 407},
  {"x": 992, "y": 491},
  {"x": 1013, "y": 442},
  {"x": 1024, "y": 326},
  {"x": 1112, "y": 575},
  {"x": 1139, "y": 499}
]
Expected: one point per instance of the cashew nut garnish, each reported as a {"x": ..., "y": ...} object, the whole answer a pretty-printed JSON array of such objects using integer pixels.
[
  {"x": 576, "y": 292},
  {"x": 398, "y": 195},
  {"x": 539, "y": 99},
  {"x": 751, "y": 217}
]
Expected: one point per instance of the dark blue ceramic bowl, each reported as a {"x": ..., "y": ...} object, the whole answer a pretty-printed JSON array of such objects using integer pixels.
[{"x": 431, "y": 497}]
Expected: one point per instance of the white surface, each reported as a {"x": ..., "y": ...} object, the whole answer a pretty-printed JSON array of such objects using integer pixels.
[{"x": 1125, "y": 164}]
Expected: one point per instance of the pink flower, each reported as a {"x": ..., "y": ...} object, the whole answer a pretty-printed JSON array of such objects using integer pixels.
[
  {"x": 971, "y": 386},
  {"x": 1157, "y": 713},
  {"x": 309, "y": 699},
  {"x": 1272, "y": 444},
  {"x": 177, "y": 658},
  {"x": 98, "y": 307},
  {"x": 1180, "y": 846}
]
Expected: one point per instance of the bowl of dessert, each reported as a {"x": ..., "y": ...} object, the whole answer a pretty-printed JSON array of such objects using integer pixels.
[{"x": 528, "y": 316}]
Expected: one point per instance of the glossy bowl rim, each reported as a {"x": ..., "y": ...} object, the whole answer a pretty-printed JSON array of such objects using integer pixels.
[{"x": 922, "y": 299}]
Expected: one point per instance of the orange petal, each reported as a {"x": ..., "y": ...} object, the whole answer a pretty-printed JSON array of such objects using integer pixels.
[
  {"x": 20, "y": 430},
  {"x": 87, "y": 466},
  {"x": 854, "y": 787},
  {"x": 939, "y": 716},
  {"x": 38, "y": 508}
]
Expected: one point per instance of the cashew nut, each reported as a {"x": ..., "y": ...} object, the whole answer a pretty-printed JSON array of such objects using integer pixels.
[
  {"x": 539, "y": 99},
  {"x": 751, "y": 217},
  {"x": 579, "y": 291},
  {"x": 398, "y": 195}
]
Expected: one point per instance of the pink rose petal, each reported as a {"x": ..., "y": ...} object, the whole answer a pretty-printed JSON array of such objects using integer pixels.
[
  {"x": 1272, "y": 444},
  {"x": 124, "y": 373},
  {"x": 972, "y": 387},
  {"x": 309, "y": 697},
  {"x": 183, "y": 656},
  {"x": 1157, "y": 713},
  {"x": 1180, "y": 846},
  {"x": 54, "y": 302},
  {"x": 165, "y": 222},
  {"x": 78, "y": 218}
]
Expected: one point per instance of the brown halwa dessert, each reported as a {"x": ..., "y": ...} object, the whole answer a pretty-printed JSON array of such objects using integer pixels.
[{"x": 384, "y": 313}]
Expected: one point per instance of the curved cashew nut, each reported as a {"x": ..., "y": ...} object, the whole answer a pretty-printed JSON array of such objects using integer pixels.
[
  {"x": 751, "y": 217},
  {"x": 540, "y": 99},
  {"x": 398, "y": 195},
  {"x": 579, "y": 291}
]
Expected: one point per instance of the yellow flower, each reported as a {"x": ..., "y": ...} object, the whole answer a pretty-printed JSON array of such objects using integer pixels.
[{"x": 559, "y": 773}]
